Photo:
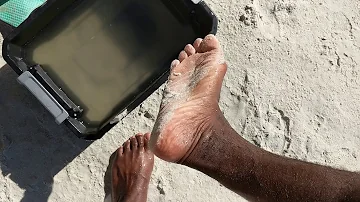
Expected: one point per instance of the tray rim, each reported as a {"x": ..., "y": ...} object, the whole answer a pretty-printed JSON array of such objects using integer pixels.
[{"x": 80, "y": 130}]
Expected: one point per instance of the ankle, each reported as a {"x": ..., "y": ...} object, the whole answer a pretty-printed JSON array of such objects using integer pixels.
[
  {"x": 136, "y": 191},
  {"x": 213, "y": 126},
  {"x": 137, "y": 196},
  {"x": 137, "y": 182}
]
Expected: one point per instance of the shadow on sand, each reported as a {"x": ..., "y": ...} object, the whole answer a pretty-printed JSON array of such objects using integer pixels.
[{"x": 34, "y": 148}]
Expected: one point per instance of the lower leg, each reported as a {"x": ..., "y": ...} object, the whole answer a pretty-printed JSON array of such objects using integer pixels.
[
  {"x": 261, "y": 176},
  {"x": 190, "y": 129}
]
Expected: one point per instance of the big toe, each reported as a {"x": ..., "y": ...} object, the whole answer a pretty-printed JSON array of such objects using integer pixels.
[{"x": 209, "y": 43}]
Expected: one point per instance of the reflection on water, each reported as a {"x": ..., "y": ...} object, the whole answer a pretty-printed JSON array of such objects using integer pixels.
[{"x": 102, "y": 51}]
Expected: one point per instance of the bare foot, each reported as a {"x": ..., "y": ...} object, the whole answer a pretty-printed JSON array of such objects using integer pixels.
[
  {"x": 190, "y": 100},
  {"x": 131, "y": 170}
]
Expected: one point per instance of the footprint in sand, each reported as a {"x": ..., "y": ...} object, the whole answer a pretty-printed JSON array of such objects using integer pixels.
[
  {"x": 270, "y": 16},
  {"x": 276, "y": 127},
  {"x": 265, "y": 125}
]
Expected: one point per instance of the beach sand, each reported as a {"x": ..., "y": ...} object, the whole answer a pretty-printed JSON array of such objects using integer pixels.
[{"x": 293, "y": 88}]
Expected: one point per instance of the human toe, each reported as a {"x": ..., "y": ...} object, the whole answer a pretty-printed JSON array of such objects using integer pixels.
[{"x": 209, "y": 43}]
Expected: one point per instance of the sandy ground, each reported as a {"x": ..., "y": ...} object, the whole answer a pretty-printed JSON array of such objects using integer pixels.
[{"x": 293, "y": 87}]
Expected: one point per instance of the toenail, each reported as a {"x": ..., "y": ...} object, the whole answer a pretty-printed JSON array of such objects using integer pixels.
[
  {"x": 183, "y": 55},
  {"x": 176, "y": 74},
  {"x": 210, "y": 36},
  {"x": 175, "y": 63}
]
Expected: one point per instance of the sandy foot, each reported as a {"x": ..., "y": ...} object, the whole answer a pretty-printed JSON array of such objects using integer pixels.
[
  {"x": 131, "y": 170},
  {"x": 190, "y": 100}
]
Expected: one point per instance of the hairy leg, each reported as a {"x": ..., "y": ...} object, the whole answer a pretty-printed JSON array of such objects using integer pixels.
[{"x": 259, "y": 175}]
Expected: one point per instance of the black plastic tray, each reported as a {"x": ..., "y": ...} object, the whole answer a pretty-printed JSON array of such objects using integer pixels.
[{"x": 198, "y": 14}]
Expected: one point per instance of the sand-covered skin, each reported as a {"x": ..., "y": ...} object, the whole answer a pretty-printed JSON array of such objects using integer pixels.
[{"x": 292, "y": 87}]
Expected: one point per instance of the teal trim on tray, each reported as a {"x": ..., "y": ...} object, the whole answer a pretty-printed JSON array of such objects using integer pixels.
[{"x": 14, "y": 12}]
